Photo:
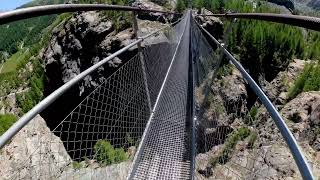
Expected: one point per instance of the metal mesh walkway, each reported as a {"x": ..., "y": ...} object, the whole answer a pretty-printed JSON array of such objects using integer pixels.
[{"x": 165, "y": 152}]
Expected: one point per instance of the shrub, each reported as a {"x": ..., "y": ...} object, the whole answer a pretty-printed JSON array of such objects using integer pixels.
[
  {"x": 181, "y": 6},
  {"x": 251, "y": 116},
  {"x": 252, "y": 139},
  {"x": 6, "y": 121},
  {"x": 76, "y": 165},
  {"x": 120, "y": 155},
  {"x": 229, "y": 146},
  {"x": 308, "y": 80},
  {"x": 224, "y": 70},
  {"x": 106, "y": 154}
]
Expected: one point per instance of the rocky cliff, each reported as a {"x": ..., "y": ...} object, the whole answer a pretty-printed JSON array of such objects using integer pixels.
[
  {"x": 34, "y": 153},
  {"x": 83, "y": 40},
  {"x": 262, "y": 153}
]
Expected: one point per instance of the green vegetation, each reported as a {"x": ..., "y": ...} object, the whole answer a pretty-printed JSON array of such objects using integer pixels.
[
  {"x": 24, "y": 33},
  {"x": 121, "y": 19},
  {"x": 181, "y": 5},
  {"x": 264, "y": 48},
  {"x": 17, "y": 75},
  {"x": 30, "y": 98},
  {"x": 251, "y": 116},
  {"x": 224, "y": 70},
  {"x": 76, "y": 165},
  {"x": 213, "y": 5},
  {"x": 252, "y": 139},
  {"x": 6, "y": 121},
  {"x": 229, "y": 146},
  {"x": 309, "y": 80},
  {"x": 106, "y": 154}
]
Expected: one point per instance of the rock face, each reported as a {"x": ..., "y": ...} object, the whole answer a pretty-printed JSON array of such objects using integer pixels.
[
  {"x": 270, "y": 157},
  {"x": 233, "y": 91},
  {"x": 77, "y": 44},
  {"x": 303, "y": 115},
  {"x": 34, "y": 153},
  {"x": 116, "y": 171},
  {"x": 154, "y": 16},
  {"x": 212, "y": 24},
  {"x": 85, "y": 39},
  {"x": 75, "y": 47},
  {"x": 277, "y": 89}
]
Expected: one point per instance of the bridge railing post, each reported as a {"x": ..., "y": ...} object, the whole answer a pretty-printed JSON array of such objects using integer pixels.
[{"x": 136, "y": 36}]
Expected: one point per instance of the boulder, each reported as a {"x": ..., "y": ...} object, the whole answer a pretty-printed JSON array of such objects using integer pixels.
[
  {"x": 233, "y": 92},
  {"x": 302, "y": 115},
  {"x": 277, "y": 89},
  {"x": 95, "y": 171},
  {"x": 34, "y": 153},
  {"x": 212, "y": 24},
  {"x": 154, "y": 16}
]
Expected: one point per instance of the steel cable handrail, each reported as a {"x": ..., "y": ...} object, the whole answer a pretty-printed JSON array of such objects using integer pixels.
[
  {"x": 295, "y": 20},
  {"x": 26, "y": 118},
  {"x": 30, "y": 12},
  {"x": 284, "y": 130}
]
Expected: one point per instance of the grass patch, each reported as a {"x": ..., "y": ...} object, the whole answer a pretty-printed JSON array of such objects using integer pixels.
[
  {"x": 251, "y": 116},
  {"x": 13, "y": 76},
  {"x": 76, "y": 165},
  {"x": 106, "y": 154},
  {"x": 252, "y": 139},
  {"x": 224, "y": 70},
  {"x": 308, "y": 80},
  {"x": 6, "y": 121},
  {"x": 11, "y": 64},
  {"x": 229, "y": 146}
]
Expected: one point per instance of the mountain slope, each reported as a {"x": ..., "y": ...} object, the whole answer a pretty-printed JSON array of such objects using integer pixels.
[{"x": 16, "y": 35}]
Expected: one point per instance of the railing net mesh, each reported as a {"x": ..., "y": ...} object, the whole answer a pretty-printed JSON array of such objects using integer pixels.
[{"x": 236, "y": 137}]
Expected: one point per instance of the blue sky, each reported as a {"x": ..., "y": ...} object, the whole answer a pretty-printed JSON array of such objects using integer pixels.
[{"x": 11, "y": 4}]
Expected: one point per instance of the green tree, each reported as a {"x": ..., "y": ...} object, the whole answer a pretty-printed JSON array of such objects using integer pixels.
[
  {"x": 6, "y": 121},
  {"x": 181, "y": 6}
]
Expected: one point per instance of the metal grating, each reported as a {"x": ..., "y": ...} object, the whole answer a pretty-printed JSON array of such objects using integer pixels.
[{"x": 165, "y": 151}]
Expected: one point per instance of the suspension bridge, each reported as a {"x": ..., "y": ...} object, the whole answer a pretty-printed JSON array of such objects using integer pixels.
[{"x": 149, "y": 103}]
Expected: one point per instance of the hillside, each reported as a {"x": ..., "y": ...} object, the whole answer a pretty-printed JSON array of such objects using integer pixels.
[
  {"x": 24, "y": 33},
  {"x": 314, "y": 4}
]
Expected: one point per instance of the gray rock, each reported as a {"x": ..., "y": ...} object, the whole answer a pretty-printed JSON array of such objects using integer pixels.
[
  {"x": 234, "y": 93},
  {"x": 277, "y": 89},
  {"x": 212, "y": 24},
  {"x": 34, "y": 153},
  {"x": 280, "y": 158},
  {"x": 94, "y": 171},
  {"x": 153, "y": 16}
]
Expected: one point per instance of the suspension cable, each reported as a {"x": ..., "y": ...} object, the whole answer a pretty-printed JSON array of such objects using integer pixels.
[
  {"x": 295, "y": 20},
  {"x": 35, "y": 11}
]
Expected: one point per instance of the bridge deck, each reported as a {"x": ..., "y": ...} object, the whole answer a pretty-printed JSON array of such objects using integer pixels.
[{"x": 165, "y": 153}]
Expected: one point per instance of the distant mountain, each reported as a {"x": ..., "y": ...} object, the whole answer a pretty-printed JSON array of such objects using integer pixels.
[
  {"x": 315, "y": 4},
  {"x": 286, "y": 3}
]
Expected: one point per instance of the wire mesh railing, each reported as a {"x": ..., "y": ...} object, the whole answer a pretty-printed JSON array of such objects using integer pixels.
[{"x": 236, "y": 136}]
